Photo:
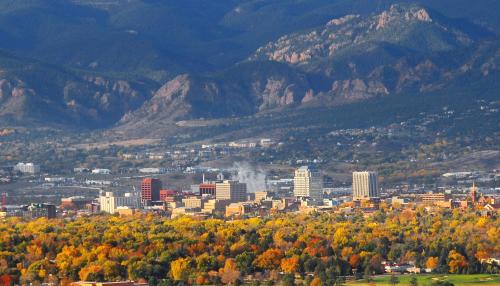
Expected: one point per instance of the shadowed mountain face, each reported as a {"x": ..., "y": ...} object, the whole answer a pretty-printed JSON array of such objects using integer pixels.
[
  {"x": 38, "y": 94},
  {"x": 164, "y": 37},
  {"x": 94, "y": 64}
]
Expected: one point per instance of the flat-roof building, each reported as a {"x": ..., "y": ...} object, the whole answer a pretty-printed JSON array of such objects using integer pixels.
[
  {"x": 192, "y": 202},
  {"x": 238, "y": 209},
  {"x": 233, "y": 191},
  {"x": 207, "y": 189},
  {"x": 215, "y": 206},
  {"x": 27, "y": 168},
  {"x": 432, "y": 197},
  {"x": 110, "y": 203},
  {"x": 364, "y": 185},
  {"x": 150, "y": 190},
  {"x": 260, "y": 195},
  {"x": 308, "y": 183},
  {"x": 169, "y": 195},
  {"x": 74, "y": 203},
  {"x": 40, "y": 210}
]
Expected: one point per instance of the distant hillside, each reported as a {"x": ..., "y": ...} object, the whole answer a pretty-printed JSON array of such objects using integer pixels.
[
  {"x": 37, "y": 94},
  {"x": 130, "y": 64}
]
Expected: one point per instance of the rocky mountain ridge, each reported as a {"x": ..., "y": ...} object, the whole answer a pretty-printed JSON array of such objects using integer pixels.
[
  {"x": 394, "y": 26},
  {"x": 349, "y": 59}
]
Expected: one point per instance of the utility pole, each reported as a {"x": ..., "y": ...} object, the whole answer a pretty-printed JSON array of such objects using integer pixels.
[{"x": 4, "y": 201}]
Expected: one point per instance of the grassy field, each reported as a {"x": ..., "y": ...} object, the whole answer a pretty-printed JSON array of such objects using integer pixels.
[{"x": 424, "y": 279}]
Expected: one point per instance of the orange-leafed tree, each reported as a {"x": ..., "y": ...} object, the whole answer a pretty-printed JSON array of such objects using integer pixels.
[
  {"x": 290, "y": 265},
  {"x": 354, "y": 261},
  {"x": 481, "y": 254},
  {"x": 432, "y": 262},
  {"x": 92, "y": 272},
  {"x": 457, "y": 262},
  {"x": 316, "y": 282},
  {"x": 269, "y": 259}
]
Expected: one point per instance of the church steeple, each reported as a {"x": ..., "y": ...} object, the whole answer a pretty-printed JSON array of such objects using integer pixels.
[{"x": 473, "y": 192}]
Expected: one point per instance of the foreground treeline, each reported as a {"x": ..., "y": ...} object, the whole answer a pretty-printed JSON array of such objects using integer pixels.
[{"x": 158, "y": 250}]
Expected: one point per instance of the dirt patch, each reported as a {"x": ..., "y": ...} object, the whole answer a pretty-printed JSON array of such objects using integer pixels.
[{"x": 123, "y": 143}]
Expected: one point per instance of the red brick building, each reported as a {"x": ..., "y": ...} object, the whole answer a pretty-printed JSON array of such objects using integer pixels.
[
  {"x": 168, "y": 195},
  {"x": 207, "y": 189},
  {"x": 150, "y": 189}
]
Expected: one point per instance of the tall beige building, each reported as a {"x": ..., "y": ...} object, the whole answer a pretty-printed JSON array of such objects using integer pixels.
[
  {"x": 233, "y": 191},
  {"x": 364, "y": 185},
  {"x": 308, "y": 182}
]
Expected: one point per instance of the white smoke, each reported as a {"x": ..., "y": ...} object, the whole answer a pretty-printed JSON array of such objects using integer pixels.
[{"x": 254, "y": 177}]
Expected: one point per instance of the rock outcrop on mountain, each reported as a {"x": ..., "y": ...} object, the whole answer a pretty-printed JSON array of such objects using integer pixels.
[
  {"x": 246, "y": 89},
  {"x": 407, "y": 26},
  {"x": 395, "y": 51},
  {"x": 357, "y": 89}
]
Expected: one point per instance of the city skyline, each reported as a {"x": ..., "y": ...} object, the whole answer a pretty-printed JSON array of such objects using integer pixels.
[{"x": 249, "y": 143}]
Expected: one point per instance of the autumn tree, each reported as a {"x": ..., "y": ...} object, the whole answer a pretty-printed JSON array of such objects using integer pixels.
[
  {"x": 92, "y": 272},
  {"x": 139, "y": 270},
  {"x": 432, "y": 263},
  {"x": 269, "y": 259},
  {"x": 316, "y": 282},
  {"x": 290, "y": 265},
  {"x": 230, "y": 273},
  {"x": 457, "y": 262},
  {"x": 354, "y": 261},
  {"x": 245, "y": 261},
  {"x": 180, "y": 269}
]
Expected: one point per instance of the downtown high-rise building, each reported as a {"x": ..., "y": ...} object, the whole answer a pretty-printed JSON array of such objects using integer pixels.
[
  {"x": 150, "y": 190},
  {"x": 233, "y": 191},
  {"x": 364, "y": 185},
  {"x": 308, "y": 183}
]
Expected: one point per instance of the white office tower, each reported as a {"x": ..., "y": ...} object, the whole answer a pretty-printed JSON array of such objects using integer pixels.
[
  {"x": 308, "y": 182},
  {"x": 364, "y": 185},
  {"x": 109, "y": 203}
]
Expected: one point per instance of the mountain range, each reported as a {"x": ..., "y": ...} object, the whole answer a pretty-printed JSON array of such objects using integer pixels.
[{"x": 131, "y": 64}]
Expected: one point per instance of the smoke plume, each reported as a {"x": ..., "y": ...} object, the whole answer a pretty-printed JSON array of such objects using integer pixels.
[{"x": 254, "y": 177}]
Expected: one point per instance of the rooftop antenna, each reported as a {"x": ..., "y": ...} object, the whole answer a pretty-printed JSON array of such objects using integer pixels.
[
  {"x": 220, "y": 177},
  {"x": 203, "y": 178},
  {"x": 135, "y": 191}
]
